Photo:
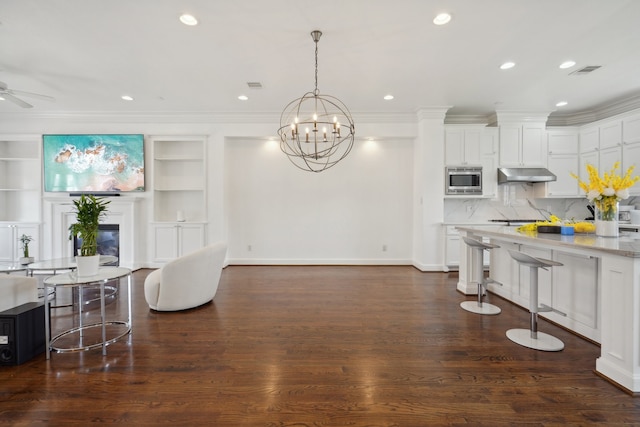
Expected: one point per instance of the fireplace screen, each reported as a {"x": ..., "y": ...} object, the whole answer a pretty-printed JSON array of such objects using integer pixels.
[{"x": 108, "y": 240}]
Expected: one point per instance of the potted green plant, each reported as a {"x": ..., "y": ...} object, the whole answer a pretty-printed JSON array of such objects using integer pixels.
[
  {"x": 24, "y": 241},
  {"x": 89, "y": 211}
]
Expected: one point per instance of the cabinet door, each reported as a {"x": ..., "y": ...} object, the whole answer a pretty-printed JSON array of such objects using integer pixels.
[
  {"x": 608, "y": 157},
  {"x": 165, "y": 244},
  {"x": 8, "y": 242},
  {"x": 631, "y": 129},
  {"x": 561, "y": 165},
  {"x": 192, "y": 237},
  {"x": 611, "y": 135},
  {"x": 472, "y": 146},
  {"x": 562, "y": 142},
  {"x": 590, "y": 158},
  {"x": 575, "y": 288},
  {"x": 589, "y": 140},
  {"x": 533, "y": 151},
  {"x": 510, "y": 145},
  {"x": 631, "y": 157},
  {"x": 453, "y": 147}
]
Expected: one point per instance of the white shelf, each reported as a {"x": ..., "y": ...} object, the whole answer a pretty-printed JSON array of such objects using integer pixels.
[
  {"x": 20, "y": 178},
  {"x": 179, "y": 177}
]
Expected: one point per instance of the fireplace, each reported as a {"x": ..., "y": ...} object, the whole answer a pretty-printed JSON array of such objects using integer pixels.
[
  {"x": 122, "y": 213},
  {"x": 108, "y": 241}
]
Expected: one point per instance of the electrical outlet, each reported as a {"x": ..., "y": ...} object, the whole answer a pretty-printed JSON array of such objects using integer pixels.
[
  {"x": 249, "y": 248},
  {"x": 384, "y": 248}
]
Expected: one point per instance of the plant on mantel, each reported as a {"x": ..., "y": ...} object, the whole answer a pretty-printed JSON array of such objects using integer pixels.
[{"x": 89, "y": 211}]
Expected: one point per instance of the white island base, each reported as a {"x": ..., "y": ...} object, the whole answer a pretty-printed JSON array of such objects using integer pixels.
[{"x": 598, "y": 287}]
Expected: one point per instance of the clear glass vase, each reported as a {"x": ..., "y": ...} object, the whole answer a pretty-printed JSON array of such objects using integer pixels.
[{"x": 606, "y": 217}]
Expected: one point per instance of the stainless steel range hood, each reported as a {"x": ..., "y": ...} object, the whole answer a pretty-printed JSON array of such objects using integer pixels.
[{"x": 507, "y": 175}]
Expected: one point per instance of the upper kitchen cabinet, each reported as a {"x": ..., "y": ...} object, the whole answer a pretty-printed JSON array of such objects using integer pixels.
[
  {"x": 562, "y": 160},
  {"x": 610, "y": 144},
  {"x": 490, "y": 146},
  {"x": 631, "y": 148},
  {"x": 463, "y": 145},
  {"x": 522, "y": 145}
]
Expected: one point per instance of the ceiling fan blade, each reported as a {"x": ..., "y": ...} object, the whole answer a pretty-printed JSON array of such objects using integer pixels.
[
  {"x": 31, "y": 94},
  {"x": 15, "y": 100}
]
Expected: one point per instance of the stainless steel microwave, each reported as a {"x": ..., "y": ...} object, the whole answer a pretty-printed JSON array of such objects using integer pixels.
[{"x": 463, "y": 180}]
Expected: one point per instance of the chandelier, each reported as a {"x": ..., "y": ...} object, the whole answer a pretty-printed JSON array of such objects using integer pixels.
[{"x": 316, "y": 131}]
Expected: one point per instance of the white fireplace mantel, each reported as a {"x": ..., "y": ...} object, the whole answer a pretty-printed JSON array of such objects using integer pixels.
[{"x": 59, "y": 214}]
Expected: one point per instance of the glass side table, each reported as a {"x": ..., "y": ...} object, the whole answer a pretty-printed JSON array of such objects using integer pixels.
[{"x": 71, "y": 280}]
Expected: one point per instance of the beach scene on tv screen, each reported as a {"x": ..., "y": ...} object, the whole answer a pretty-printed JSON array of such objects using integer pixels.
[{"x": 93, "y": 163}]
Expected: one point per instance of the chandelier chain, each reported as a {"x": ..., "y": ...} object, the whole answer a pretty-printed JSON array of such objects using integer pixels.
[{"x": 316, "y": 92}]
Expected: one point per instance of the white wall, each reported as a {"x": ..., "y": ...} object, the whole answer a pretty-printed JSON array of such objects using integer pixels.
[
  {"x": 256, "y": 196},
  {"x": 358, "y": 212}
]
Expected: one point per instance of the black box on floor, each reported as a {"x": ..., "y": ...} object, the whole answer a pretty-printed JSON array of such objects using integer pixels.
[{"x": 21, "y": 333}]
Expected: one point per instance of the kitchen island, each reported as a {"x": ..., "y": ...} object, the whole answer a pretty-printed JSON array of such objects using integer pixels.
[{"x": 597, "y": 287}]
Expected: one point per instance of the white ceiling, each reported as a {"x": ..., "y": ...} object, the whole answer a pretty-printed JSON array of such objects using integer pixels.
[{"x": 87, "y": 53}]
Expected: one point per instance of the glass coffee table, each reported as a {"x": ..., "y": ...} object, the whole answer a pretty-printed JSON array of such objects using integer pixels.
[
  {"x": 71, "y": 280},
  {"x": 66, "y": 264},
  {"x": 11, "y": 267}
]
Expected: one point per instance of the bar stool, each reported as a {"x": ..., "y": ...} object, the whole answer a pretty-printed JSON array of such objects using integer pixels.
[
  {"x": 480, "y": 307},
  {"x": 531, "y": 337}
]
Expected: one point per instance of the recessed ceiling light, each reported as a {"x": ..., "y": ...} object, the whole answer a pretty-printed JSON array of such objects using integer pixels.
[
  {"x": 243, "y": 97},
  {"x": 388, "y": 97},
  {"x": 127, "y": 97},
  {"x": 442, "y": 18},
  {"x": 561, "y": 104},
  {"x": 507, "y": 65},
  {"x": 567, "y": 64},
  {"x": 187, "y": 19}
]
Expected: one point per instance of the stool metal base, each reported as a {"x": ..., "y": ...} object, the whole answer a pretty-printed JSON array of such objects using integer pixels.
[
  {"x": 483, "y": 308},
  {"x": 544, "y": 342}
]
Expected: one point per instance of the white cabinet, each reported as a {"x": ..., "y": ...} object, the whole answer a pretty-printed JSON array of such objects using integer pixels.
[
  {"x": 20, "y": 179},
  {"x": 562, "y": 160},
  {"x": 522, "y": 145},
  {"x": 608, "y": 157},
  {"x": 631, "y": 129},
  {"x": 631, "y": 148},
  {"x": 179, "y": 194},
  {"x": 611, "y": 134},
  {"x": 174, "y": 240},
  {"x": 463, "y": 145},
  {"x": 565, "y": 185},
  {"x": 589, "y": 139},
  {"x": 452, "y": 247},
  {"x": 575, "y": 292},
  {"x": 10, "y": 246},
  {"x": 489, "y": 158}
]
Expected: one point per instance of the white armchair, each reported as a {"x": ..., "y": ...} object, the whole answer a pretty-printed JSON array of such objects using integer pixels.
[
  {"x": 17, "y": 290},
  {"x": 188, "y": 281}
]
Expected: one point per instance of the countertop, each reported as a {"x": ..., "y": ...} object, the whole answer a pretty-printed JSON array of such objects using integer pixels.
[{"x": 627, "y": 245}]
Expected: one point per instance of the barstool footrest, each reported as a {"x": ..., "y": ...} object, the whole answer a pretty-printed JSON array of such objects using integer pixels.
[
  {"x": 490, "y": 280},
  {"x": 544, "y": 308}
]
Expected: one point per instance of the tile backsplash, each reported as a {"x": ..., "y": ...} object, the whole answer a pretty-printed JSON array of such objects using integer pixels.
[{"x": 517, "y": 201}]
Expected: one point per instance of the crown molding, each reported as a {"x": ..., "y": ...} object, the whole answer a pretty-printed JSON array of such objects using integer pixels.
[{"x": 600, "y": 112}]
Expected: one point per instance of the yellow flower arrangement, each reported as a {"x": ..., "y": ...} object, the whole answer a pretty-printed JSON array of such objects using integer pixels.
[{"x": 606, "y": 191}]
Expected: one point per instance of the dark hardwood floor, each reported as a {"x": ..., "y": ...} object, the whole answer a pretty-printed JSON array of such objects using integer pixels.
[{"x": 318, "y": 346}]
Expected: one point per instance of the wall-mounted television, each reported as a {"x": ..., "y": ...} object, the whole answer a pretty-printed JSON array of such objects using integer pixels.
[{"x": 109, "y": 163}]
